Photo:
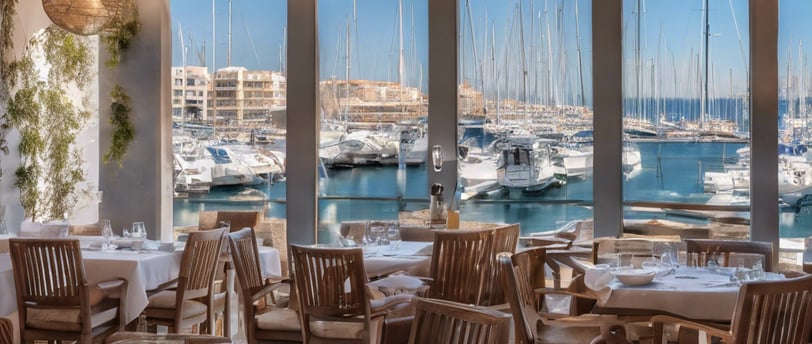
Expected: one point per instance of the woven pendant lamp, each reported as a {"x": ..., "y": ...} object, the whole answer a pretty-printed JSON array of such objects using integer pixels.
[{"x": 82, "y": 17}]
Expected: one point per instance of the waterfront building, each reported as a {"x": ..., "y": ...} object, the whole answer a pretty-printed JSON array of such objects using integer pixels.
[
  {"x": 190, "y": 96},
  {"x": 247, "y": 97}
]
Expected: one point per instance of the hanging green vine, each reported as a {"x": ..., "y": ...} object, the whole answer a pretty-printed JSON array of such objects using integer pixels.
[
  {"x": 7, "y": 11},
  {"x": 48, "y": 122},
  {"x": 123, "y": 130},
  {"x": 117, "y": 39},
  {"x": 120, "y": 34}
]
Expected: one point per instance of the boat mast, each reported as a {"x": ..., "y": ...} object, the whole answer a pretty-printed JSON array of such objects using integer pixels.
[
  {"x": 347, "y": 70},
  {"x": 524, "y": 63},
  {"x": 213, "y": 69},
  {"x": 706, "y": 35},
  {"x": 228, "y": 56},
  {"x": 477, "y": 64},
  {"x": 578, "y": 47},
  {"x": 637, "y": 65},
  {"x": 401, "y": 71},
  {"x": 182, "y": 98}
]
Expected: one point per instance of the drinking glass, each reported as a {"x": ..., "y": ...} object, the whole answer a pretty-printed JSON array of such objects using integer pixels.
[
  {"x": 107, "y": 231},
  {"x": 393, "y": 235},
  {"x": 138, "y": 234}
]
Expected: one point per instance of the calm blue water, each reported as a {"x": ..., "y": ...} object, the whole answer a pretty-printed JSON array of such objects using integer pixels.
[{"x": 680, "y": 181}]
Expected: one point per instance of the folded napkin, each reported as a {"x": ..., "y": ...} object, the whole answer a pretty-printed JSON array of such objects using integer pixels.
[{"x": 597, "y": 278}]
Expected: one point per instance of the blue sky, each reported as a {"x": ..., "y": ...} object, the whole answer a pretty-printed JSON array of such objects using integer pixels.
[{"x": 374, "y": 47}]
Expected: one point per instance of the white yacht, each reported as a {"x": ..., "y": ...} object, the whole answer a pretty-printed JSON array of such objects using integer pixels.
[{"x": 524, "y": 163}]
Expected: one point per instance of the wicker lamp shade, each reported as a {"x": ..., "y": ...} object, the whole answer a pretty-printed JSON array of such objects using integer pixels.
[{"x": 82, "y": 17}]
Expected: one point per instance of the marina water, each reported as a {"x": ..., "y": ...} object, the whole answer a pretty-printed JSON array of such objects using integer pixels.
[{"x": 380, "y": 192}]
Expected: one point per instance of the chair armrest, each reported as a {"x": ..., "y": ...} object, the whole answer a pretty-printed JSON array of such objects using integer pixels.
[
  {"x": 167, "y": 285},
  {"x": 265, "y": 290},
  {"x": 119, "y": 285},
  {"x": 553, "y": 291},
  {"x": 713, "y": 329}
]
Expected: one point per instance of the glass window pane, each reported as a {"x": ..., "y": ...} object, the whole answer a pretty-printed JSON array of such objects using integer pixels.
[
  {"x": 794, "y": 178},
  {"x": 525, "y": 112},
  {"x": 229, "y": 129},
  {"x": 686, "y": 121},
  {"x": 373, "y": 138}
]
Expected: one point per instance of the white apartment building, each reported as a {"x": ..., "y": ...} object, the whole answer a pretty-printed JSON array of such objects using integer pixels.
[
  {"x": 246, "y": 97},
  {"x": 190, "y": 97}
]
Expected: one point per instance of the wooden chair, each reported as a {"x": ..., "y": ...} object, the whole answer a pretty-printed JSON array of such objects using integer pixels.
[
  {"x": 728, "y": 247},
  {"x": 416, "y": 234},
  {"x": 505, "y": 239},
  {"x": 94, "y": 229},
  {"x": 766, "y": 312},
  {"x": 7, "y": 326},
  {"x": 459, "y": 265},
  {"x": 276, "y": 324},
  {"x": 143, "y": 337},
  {"x": 237, "y": 219},
  {"x": 54, "y": 300},
  {"x": 182, "y": 308},
  {"x": 621, "y": 250},
  {"x": 334, "y": 300},
  {"x": 447, "y": 322},
  {"x": 523, "y": 274}
]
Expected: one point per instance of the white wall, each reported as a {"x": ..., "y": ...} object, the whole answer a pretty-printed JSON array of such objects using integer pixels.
[{"x": 29, "y": 20}]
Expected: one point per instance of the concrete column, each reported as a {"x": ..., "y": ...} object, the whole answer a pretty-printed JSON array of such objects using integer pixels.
[
  {"x": 141, "y": 189},
  {"x": 303, "y": 124},
  {"x": 764, "y": 120},
  {"x": 607, "y": 81},
  {"x": 443, "y": 92}
]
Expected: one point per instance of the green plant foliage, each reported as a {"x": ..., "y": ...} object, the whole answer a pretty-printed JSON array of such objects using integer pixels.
[
  {"x": 48, "y": 122},
  {"x": 123, "y": 130},
  {"x": 118, "y": 37},
  {"x": 63, "y": 49},
  {"x": 7, "y": 11}
]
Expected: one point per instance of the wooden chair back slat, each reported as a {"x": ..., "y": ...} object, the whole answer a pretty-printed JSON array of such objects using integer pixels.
[
  {"x": 459, "y": 264},
  {"x": 728, "y": 247},
  {"x": 331, "y": 282},
  {"x": 198, "y": 264},
  {"x": 52, "y": 272},
  {"x": 519, "y": 290},
  {"x": 446, "y": 322},
  {"x": 49, "y": 275},
  {"x": 774, "y": 312},
  {"x": 245, "y": 258},
  {"x": 237, "y": 219},
  {"x": 505, "y": 239}
]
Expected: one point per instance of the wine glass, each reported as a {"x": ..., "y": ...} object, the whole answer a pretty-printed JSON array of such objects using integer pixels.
[
  {"x": 393, "y": 235},
  {"x": 138, "y": 234},
  {"x": 107, "y": 233}
]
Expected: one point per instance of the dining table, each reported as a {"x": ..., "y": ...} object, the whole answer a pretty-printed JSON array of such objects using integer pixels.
[
  {"x": 693, "y": 293},
  {"x": 410, "y": 257},
  {"x": 144, "y": 271}
]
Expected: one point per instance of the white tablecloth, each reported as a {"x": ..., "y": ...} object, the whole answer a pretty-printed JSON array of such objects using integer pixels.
[
  {"x": 692, "y": 293},
  {"x": 269, "y": 262},
  {"x": 411, "y": 257},
  {"x": 144, "y": 271}
]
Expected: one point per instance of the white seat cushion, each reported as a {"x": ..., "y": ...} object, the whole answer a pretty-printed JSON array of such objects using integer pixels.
[
  {"x": 279, "y": 319},
  {"x": 66, "y": 319},
  {"x": 162, "y": 305}
]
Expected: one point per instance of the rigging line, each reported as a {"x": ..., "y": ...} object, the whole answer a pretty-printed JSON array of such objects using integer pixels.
[{"x": 251, "y": 40}]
